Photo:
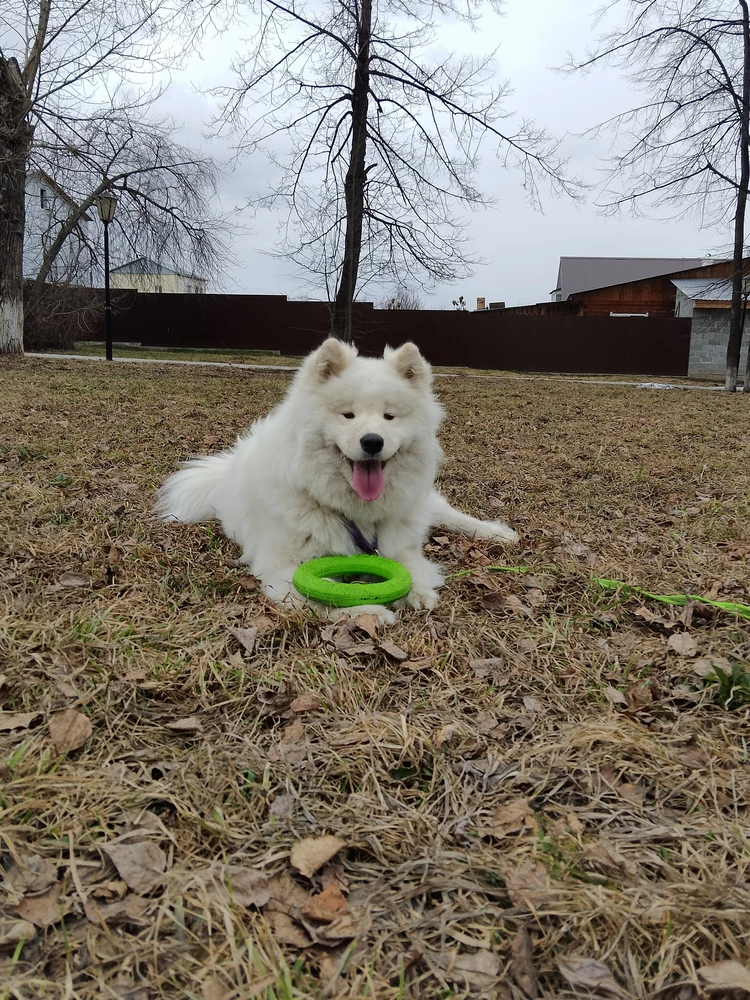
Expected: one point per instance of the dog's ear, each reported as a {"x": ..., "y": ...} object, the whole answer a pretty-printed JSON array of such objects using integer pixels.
[
  {"x": 409, "y": 363},
  {"x": 331, "y": 358}
]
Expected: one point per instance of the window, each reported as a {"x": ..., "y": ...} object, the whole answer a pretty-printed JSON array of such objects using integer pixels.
[
  {"x": 44, "y": 201},
  {"x": 158, "y": 288}
]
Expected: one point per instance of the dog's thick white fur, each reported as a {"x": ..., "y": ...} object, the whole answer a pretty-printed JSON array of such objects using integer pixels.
[{"x": 354, "y": 442}]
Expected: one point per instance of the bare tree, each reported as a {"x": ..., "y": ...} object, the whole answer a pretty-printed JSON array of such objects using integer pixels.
[
  {"x": 62, "y": 67},
  {"x": 166, "y": 193},
  {"x": 686, "y": 147},
  {"x": 384, "y": 140},
  {"x": 402, "y": 297}
]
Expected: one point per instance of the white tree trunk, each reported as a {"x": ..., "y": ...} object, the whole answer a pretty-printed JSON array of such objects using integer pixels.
[{"x": 11, "y": 326}]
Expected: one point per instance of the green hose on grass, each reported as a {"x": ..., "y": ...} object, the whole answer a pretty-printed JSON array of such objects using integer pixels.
[{"x": 678, "y": 600}]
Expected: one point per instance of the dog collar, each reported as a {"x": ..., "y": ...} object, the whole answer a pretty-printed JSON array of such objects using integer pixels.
[{"x": 355, "y": 533}]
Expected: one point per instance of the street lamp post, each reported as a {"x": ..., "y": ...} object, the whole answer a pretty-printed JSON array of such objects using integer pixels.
[{"x": 106, "y": 205}]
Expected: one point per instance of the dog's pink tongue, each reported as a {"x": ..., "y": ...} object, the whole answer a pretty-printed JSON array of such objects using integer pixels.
[{"x": 368, "y": 479}]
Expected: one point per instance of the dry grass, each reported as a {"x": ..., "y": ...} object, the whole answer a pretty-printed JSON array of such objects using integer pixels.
[{"x": 586, "y": 784}]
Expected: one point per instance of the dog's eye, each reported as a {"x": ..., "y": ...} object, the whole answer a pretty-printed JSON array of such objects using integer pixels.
[
  {"x": 387, "y": 416},
  {"x": 349, "y": 416}
]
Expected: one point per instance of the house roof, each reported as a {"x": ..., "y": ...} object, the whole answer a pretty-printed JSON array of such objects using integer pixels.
[
  {"x": 705, "y": 289},
  {"x": 583, "y": 274},
  {"x": 147, "y": 265}
]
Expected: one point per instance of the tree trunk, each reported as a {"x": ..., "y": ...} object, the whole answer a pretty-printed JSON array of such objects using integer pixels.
[
  {"x": 15, "y": 142},
  {"x": 356, "y": 178},
  {"x": 735, "y": 313}
]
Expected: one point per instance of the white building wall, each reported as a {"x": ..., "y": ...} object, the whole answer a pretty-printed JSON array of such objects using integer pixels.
[{"x": 46, "y": 211}]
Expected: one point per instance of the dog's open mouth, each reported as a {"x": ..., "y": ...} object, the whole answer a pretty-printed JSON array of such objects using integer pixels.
[{"x": 368, "y": 479}]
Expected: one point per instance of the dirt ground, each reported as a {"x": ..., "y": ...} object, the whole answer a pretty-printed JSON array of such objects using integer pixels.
[{"x": 541, "y": 788}]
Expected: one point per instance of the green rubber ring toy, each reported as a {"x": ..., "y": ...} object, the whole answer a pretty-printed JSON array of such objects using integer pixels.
[{"x": 309, "y": 580}]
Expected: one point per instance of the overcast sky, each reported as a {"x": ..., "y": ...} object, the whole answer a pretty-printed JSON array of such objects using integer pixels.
[{"x": 520, "y": 247}]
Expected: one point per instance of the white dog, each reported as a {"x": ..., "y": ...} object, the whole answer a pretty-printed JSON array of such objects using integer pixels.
[{"x": 345, "y": 464}]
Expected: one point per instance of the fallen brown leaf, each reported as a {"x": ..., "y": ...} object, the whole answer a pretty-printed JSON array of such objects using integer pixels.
[
  {"x": 342, "y": 636},
  {"x": 66, "y": 688},
  {"x": 248, "y": 582},
  {"x": 333, "y": 874},
  {"x": 246, "y": 637},
  {"x": 292, "y": 747},
  {"x": 44, "y": 909},
  {"x": 487, "y": 667},
  {"x": 285, "y": 931},
  {"x": 513, "y": 817},
  {"x": 110, "y": 892},
  {"x": 18, "y": 720},
  {"x": 125, "y": 987},
  {"x": 275, "y": 701},
  {"x": 392, "y": 650},
  {"x": 227, "y": 884},
  {"x": 352, "y": 923},
  {"x": 13, "y": 932},
  {"x": 423, "y": 663},
  {"x": 580, "y": 551},
  {"x": 605, "y": 855},
  {"x": 191, "y": 724},
  {"x": 576, "y": 826},
  {"x": 653, "y": 619},
  {"x": 359, "y": 649},
  {"x": 368, "y": 623},
  {"x": 31, "y": 873},
  {"x": 70, "y": 579},
  {"x": 310, "y": 854},
  {"x": 130, "y": 910},
  {"x": 327, "y": 906},
  {"x": 305, "y": 703},
  {"x": 639, "y": 696},
  {"x": 478, "y": 970},
  {"x": 446, "y": 733},
  {"x": 632, "y": 792},
  {"x": 522, "y": 964},
  {"x": 615, "y": 696},
  {"x": 286, "y": 895},
  {"x": 528, "y": 885},
  {"x": 282, "y": 806},
  {"x": 509, "y": 602},
  {"x": 593, "y": 976},
  {"x": 536, "y": 598},
  {"x": 683, "y": 644},
  {"x": 212, "y": 988},
  {"x": 69, "y": 730},
  {"x": 532, "y": 704},
  {"x": 712, "y": 665},
  {"x": 141, "y": 865},
  {"x": 725, "y": 976}
]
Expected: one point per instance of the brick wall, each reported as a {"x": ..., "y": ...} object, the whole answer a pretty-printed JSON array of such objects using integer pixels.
[{"x": 708, "y": 344}]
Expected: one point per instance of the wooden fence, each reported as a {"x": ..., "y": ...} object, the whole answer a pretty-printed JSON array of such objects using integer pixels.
[{"x": 491, "y": 339}]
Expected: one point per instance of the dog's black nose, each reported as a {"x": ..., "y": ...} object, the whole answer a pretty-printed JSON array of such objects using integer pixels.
[{"x": 371, "y": 443}]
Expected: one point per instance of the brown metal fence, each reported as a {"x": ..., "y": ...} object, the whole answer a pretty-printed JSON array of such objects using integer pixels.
[{"x": 492, "y": 339}]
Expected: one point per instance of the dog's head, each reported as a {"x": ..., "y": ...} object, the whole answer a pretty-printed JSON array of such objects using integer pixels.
[{"x": 371, "y": 413}]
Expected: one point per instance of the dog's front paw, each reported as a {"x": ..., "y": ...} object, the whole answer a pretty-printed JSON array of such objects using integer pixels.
[
  {"x": 498, "y": 531},
  {"x": 421, "y": 597}
]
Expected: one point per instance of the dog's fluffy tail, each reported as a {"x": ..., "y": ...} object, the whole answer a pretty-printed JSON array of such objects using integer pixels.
[
  {"x": 443, "y": 515},
  {"x": 189, "y": 495}
]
